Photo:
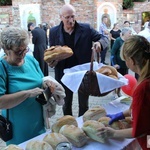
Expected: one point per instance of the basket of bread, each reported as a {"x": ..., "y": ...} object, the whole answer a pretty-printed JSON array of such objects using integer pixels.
[
  {"x": 89, "y": 84},
  {"x": 93, "y": 78},
  {"x": 57, "y": 53}
]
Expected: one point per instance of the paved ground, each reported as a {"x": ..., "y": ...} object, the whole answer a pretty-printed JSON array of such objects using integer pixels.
[{"x": 93, "y": 101}]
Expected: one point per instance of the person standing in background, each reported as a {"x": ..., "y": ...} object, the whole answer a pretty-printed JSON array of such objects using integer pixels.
[
  {"x": 40, "y": 45},
  {"x": 79, "y": 37},
  {"x": 105, "y": 32},
  {"x": 116, "y": 61},
  {"x": 146, "y": 32},
  {"x": 128, "y": 24},
  {"x": 114, "y": 33}
]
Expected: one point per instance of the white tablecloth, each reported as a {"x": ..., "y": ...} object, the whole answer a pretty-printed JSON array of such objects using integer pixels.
[{"x": 111, "y": 144}]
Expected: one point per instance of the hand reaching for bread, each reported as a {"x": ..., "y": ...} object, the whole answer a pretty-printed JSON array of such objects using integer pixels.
[
  {"x": 105, "y": 132},
  {"x": 52, "y": 63}
]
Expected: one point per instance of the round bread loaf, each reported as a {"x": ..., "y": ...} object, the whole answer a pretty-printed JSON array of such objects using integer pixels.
[
  {"x": 94, "y": 113},
  {"x": 104, "y": 70},
  {"x": 75, "y": 135},
  {"x": 126, "y": 123},
  {"x": 57, "y": 53},
  {"x": 108, "y": 71},
  {"x": 67, "y": 119},
  {"x": 115, "y": 125},
  {"x": 13, "y": 147},
  {"x": 54, "y": 139},
  {"x": 38, "y": 145},
  {"x": 90, "y": 128}
]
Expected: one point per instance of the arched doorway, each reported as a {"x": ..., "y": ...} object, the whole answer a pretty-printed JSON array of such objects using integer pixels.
[{"x": 108, "y": 10}]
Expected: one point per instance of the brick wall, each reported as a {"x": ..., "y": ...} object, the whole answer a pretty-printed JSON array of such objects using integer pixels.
[{"x": 86, "y": 11}]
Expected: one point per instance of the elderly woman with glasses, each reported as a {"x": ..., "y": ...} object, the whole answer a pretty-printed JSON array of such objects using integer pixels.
[{"x": 20, "y": 84}]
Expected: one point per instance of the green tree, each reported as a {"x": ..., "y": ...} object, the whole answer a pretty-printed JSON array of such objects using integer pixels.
[
  {"x": 127, "y": 4},
  {"x": 5, "y": 2}
]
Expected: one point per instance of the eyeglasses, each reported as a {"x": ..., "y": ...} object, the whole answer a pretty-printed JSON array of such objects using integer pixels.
[
  {"x": 20, "y": 52},
  {"x": 69, "y": 17}
]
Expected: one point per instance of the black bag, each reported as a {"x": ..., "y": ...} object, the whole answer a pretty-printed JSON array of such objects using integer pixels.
[
  {"x": 5, "y": 125},
  {"x": 5, "y": 129}
]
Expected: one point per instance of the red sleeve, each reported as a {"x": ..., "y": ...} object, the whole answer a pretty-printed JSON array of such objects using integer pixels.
[{"x": 141, "y": 109}]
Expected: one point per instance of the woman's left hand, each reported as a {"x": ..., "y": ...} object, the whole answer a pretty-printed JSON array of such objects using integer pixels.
[{"x": 106, "y": 132}]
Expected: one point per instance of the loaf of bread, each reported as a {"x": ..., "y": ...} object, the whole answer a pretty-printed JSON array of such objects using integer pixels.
[
  {"x": 67, "y": 119},
  {"x": 121, "y": 124},
  {"x": 94, "y": 113},
  {"x": 108, "y": 71},
  {"x": 126, "y": 123},
  {"x": 115, "y": 125},
  {"x": 54, "y": 139},
  {"x": 90, "y": 128},
  {"x": 38, "y": 145},
  {"x": 12, "y": 147},
  {"x": 57, "y": 53},
  {"x": 75, "y": 135}
]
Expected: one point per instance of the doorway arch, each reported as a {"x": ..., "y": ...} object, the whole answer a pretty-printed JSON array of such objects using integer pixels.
[{"x": 108, "y": 9}]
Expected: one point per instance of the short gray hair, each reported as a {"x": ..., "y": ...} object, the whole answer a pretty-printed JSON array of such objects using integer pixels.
[
  {"x": 14, "y": 37},
  {"x": 125, "y": 30}
]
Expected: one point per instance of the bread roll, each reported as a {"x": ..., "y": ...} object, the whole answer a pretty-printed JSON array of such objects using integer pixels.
[
  {"x": 57, "y": 53},
  {"x": 105, "y": 121},
  {"x": 54, "y": 139},
  {"x": 75, "y": 135},
  {"x": 112, "y": 76},
  {"x": 94, "y": 113},
  {"x": 105, "y": 71},
  {"x": 12, "y": 147},
  {"x": 126, "y": 123},
  {"x": 70, "y": 120},
  {"x": 38, "y": 145},
  {"x": 90, "y": 128},
  {"x": 109, "y": 71}
]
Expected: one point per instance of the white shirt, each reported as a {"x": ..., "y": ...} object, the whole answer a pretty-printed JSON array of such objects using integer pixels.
[{"x": 145, "y": 33}]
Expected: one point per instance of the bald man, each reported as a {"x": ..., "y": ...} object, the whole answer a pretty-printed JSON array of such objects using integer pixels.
[{"x": 79, "y": 37}]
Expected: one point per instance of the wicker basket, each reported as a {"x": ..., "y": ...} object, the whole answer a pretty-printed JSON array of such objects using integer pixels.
[{"x": 89, "y": 84}]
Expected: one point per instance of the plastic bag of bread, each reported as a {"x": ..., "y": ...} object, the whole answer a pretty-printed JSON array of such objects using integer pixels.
[
  {"x": 90, "y": 128},
  {"x": 94, "y": 113},
  {"x": 12, "y": 147},
  {"x": 54, "y": 139},
  {"x": 38, "y": 145},
  {"x": 67, "y": 119},
  {"x": 75, "y": 135},
  {"x": 57, "y": 53}
]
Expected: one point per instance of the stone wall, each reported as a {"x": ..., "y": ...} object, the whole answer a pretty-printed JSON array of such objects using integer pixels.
[{"x": 86, "y": 11}]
